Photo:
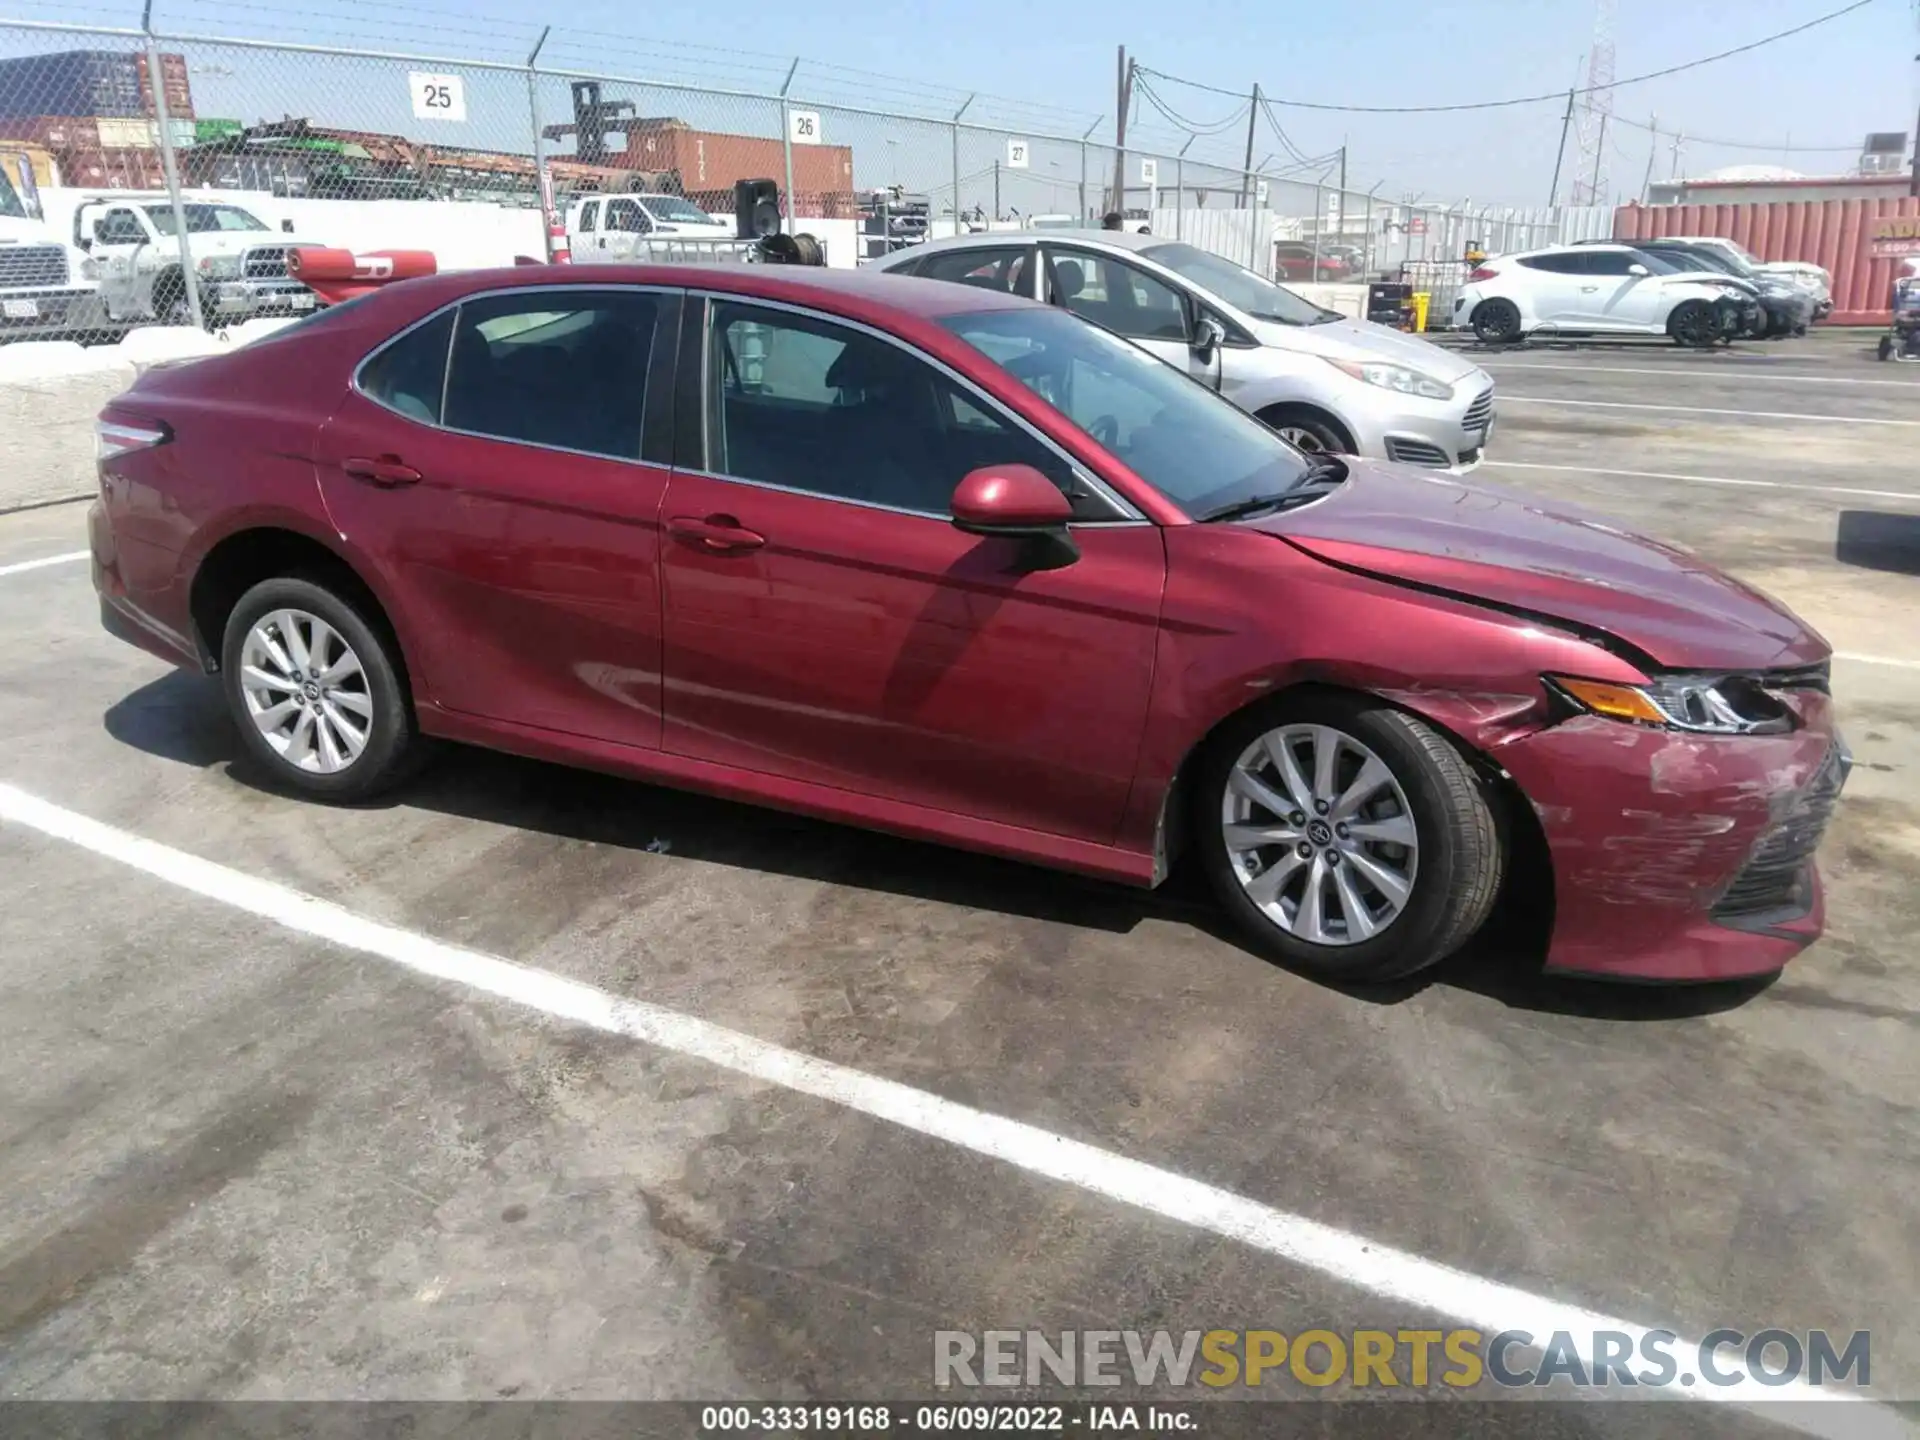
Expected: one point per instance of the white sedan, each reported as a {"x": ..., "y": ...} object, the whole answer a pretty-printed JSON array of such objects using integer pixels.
[{"x": 1595, "y": 289}]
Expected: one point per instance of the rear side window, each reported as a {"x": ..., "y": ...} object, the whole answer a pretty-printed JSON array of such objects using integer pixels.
[
  {"x": 1558, "y": 264},
  {"x": 408, "y": 376},
  {"x": 1005, "y": 270},
  {"x": 561, "y": 367}
]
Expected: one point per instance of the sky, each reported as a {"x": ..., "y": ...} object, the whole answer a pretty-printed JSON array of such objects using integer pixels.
[{"x": 1050, "y": 70}]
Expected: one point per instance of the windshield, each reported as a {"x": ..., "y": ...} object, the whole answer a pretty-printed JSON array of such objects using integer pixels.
[
  {"x": 672, "y": 210},
  {"x": 1198, "y": 450},
  {"x": 1239, "y": 286},
  {"x": 10, "y": 203},
  {"x": 204, "y": 218}
]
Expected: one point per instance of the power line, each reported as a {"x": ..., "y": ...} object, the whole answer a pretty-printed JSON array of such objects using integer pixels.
[
  {"x": 1551, "y": 96},
  {"x": 1191, "y": 127},
  {"x": 1770, "y": 147}
]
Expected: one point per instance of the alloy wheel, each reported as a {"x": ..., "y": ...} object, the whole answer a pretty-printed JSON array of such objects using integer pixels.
[
  {"x": 306, "y": 691},
  {"x": 1302, "y": 439},
  {"x": 1319, "y": 834}
]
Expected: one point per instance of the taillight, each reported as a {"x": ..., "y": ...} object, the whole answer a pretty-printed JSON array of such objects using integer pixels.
[
  {"x": 1483, "y": 272},
  {"x": 119, "y": 437}
]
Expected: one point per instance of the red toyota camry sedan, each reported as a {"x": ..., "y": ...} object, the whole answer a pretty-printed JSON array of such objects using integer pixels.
[{"x": 952, "y": 564}]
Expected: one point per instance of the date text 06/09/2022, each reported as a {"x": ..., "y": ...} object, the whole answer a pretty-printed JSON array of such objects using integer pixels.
[{"x": 941, "y": 1418}]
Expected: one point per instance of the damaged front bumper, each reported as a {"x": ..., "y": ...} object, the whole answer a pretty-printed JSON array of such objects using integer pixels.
[{"x": 1682, "y": 857}]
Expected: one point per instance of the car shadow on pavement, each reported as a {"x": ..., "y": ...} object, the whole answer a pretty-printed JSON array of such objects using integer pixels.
[{"x": 183, "y": 718}]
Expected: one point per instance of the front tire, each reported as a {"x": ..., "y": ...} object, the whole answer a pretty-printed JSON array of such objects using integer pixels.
[
  {"x": 1308, "y": 430},
  {"x": 1693, "y": 325},
  {"x": 1345, "y": 837},
  {"x": 1496, "y": 322},
  {"x": 316, "y": 691}
]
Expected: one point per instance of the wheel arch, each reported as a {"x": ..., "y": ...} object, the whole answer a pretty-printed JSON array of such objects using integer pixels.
[
  {"x": 1530, "y": 862},
  {"x": 243, "y": 558}
]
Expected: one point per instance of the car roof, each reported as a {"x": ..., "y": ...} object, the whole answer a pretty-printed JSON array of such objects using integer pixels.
[
  {"x": 862, "y": 294},
  {"x": 979, "y": 239}
]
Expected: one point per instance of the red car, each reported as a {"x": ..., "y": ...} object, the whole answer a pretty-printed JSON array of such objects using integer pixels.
[
  {"x": 956, "y": 565},
  {"x": 1293, "y": 260}
]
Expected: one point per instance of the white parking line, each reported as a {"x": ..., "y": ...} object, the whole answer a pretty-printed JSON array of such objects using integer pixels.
[
  {"x": 1860, "y": 659},
  {"x": 1669, "y": 370},
  {"x": 1377, "y": 1269},
  {"x": 26, "y": 565},
  {"x": 1703, "y": 410},
  {"x": 1907, "y": 495}
]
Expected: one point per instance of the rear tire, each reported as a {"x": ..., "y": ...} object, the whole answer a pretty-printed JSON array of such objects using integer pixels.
[
  {"x": 1424, "y": 876},
  {"x": 316, "y": 693},
  {"x": 1496, "y": 322}
]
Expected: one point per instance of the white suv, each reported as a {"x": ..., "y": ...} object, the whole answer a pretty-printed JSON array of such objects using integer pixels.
[{"x": 1600, "y": 290}]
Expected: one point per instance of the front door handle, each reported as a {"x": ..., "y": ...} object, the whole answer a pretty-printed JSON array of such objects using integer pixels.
[
  {"x": 386, "y": 471},
  {"x": 718, "y": 533},
  {"x": 1588, "y": 289}
]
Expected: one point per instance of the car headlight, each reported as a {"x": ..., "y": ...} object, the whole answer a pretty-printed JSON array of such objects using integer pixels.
[
  {"x": 1393, "y": 377},
  {"x": 220, "y": 267},
  {"x": 1700, "y": 704}
]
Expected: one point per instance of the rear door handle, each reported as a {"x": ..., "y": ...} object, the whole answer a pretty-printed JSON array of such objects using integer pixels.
[
  {"x": 718, "y": 533},
  {"x": 386, "y": 471}
]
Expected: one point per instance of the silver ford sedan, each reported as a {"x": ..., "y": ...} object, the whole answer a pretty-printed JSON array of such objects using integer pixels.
[{"x": 1325, "y": 382}]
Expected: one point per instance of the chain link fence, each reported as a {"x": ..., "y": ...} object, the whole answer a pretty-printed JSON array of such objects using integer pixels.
[{"x": 163, "y": 178}]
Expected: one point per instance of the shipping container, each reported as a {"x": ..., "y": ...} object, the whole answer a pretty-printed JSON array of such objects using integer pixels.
[
  {"x": 97, "y": 169},
  {"x": 95, "y": 83}
]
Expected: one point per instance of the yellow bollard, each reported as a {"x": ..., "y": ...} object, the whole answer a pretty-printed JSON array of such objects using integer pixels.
[{"x": 1421, "y": 299}]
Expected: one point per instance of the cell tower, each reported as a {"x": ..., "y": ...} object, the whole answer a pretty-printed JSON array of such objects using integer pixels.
[{"x": 1596, "y": 111}]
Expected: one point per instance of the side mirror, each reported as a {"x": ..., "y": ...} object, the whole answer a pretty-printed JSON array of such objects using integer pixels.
[
  {"x": 1639, "y": 272},
  {"x": 100, "y": 231},
  {"x": 286, "y": 227},
  {"x": 1209, "y": 335},
  {"x": 1017, "y": 501}
]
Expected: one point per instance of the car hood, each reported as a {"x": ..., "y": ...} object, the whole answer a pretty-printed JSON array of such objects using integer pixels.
[
  {"x": 26, "y": 232},
  {"x": 1363, "y": 340},
  {"x": 1517, "y": 553},
  {"x": 238, "y": 242}
]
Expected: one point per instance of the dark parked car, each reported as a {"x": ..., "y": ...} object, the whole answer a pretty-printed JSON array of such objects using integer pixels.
[
  {"x": 1785, "y": 308},
  {"x": 958, "y": 565}
]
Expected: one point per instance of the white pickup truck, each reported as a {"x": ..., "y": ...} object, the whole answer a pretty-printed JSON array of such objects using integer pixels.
[
  {"x": 617, "y": 229},
  {"x": 239, "y": 265},
  {"x": 47, "y": 289}
]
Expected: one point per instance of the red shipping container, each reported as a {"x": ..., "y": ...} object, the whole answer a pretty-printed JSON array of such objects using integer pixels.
[{"x": 1838, "y": 235}]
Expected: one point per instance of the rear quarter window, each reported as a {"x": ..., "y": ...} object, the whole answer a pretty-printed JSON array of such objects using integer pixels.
[{"x": 409, "y": 376}]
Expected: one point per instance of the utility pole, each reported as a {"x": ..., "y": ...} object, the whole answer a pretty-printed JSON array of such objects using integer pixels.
[
  {"x": 1673, "y": 170},
  {"x": 1566, "y": 124},
  {"x": 1653, "y": 149},
  {"x": 996, "y": 189},
  {"x": 1120, "y": 134},
  {"x": 1600, "y": 149},
  {"x": 1913, "y": 185},
  {"x": 1340, "y": 205},
  {"x": 1246, "y": 168}
]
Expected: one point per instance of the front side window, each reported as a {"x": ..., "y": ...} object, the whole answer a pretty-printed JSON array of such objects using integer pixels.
[
  {"x": 1005, "y": 269},
  {"x": 1198, "y": 450},
  {"x": 1109, "y": 292},
  {"x": 559, "y": 367},
  {"x": 204, "y": 219},
  {"x": 808, "y": 404},
  {"x": 589, "y": 214},
  {"x": 1238, "y": 286},
  {"x": 12, "y": 207}
]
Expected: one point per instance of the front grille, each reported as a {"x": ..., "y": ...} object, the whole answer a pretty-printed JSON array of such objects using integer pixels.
[
  {"x": 1775, "y": 877},
  {"x": 267, "y": 262},
  {"x": 1480, "y": 412},
  {"x": 1416, "y": 452},
  {"x": 24, "y": 267}
]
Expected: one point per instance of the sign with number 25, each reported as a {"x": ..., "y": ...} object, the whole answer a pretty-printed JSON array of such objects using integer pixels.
[{"x": 437, "y": 97}]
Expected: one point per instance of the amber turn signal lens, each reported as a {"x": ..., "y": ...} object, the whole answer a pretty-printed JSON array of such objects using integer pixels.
[{"x": 1616, "y": 702}]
